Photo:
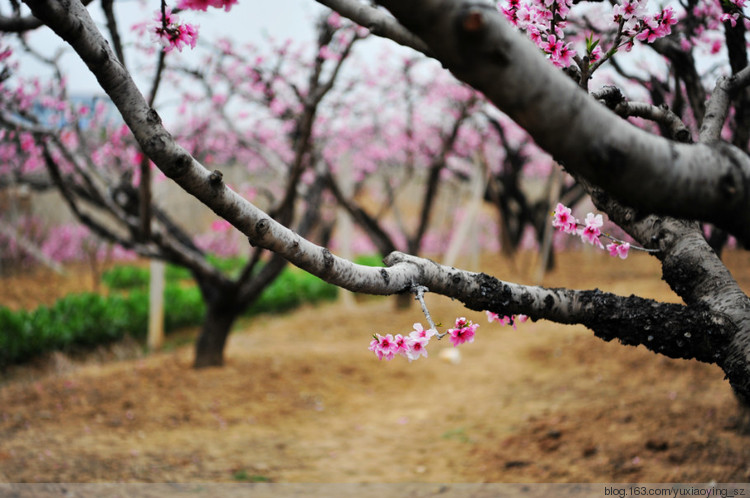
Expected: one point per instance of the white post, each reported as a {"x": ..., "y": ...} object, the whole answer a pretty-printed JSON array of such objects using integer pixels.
[
  {"x": 345, "y": 227},
  {"x": 156, "y": 306},
  {"x": 554, "y": 186},
  {"x": 469, "y": 228}
]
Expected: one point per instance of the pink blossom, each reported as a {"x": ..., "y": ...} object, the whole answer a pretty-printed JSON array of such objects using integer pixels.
[
  {"x": 552, "y": 46},
  {"x": 667, "y": 19},
  {"x": 564, "y": 56},
  {"x": 334, "y": 20},
  {"x": 416, "y": 347},
  {"x": 171, "y": 34},
  {"x": 412, "y": 346},
  {"x": 402, "y": 346},
  {"x": 27, "y": 142},
  {"x": 564, "y": 220},
  {"x": 620, "y": 250},
  {"x": 383, "y": 346},
  {"x": 595, "y": 54},
  {"x": 463, "y": 331},
  {"x": 326, "y": 53},
  {"x": 650, "y": 30},
  {"x": 420, "y": 333},
  {"x": 592, "y": 230},
  {"x": 534, "y": 34},
  {"x": 277, "y": 107},
  {"x": 627, "y": 10},
  {"x": 506, "y": 320},
  {"x": 732, "y": 18}
]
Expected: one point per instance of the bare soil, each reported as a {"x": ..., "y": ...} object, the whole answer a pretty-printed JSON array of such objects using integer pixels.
[{"x": 302, "y": 400}]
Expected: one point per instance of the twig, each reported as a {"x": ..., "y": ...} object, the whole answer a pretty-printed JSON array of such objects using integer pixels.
[{"x": 419, "y": 291}]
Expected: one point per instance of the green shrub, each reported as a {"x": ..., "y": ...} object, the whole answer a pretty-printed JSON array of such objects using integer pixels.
[
  {"x": 175, "y": 273},
  {"x": 369, "y": 260},
  {"x": 183, "y": 307},
  {"x": 89, "y": 319},
  {"x": 125, "y": 277}
]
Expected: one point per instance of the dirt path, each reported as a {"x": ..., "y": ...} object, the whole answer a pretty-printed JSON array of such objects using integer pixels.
[{"x": 302, "y": 400}]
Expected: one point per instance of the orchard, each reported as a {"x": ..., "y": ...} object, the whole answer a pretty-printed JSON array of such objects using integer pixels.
[{"x": 509, "y": 119}]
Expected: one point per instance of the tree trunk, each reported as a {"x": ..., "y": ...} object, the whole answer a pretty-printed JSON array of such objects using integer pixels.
[{"x": 209, "y": 348}]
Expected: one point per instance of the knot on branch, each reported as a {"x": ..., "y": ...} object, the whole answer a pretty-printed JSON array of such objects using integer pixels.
[
  {"x": 394, "y": 258},
  {"x": 472, "y": 21},
  {"x": 152, "y": 117},
  {"x": 471, "y": 26},
  {"x": 262, "y": 227},
  {"x": 182, "y": 164},
  {"x": 215, "y": 178},
  {"x": 610, "y": 96}
]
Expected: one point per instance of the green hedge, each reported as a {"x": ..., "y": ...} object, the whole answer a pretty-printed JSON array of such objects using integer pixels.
[
  {"x": 77, "y": 320},
  {"x": 129, "y": 277},
  {"x": 89, "y": 319}
]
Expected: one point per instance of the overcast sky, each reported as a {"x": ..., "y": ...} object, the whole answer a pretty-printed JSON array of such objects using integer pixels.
[{"x": 248, "y": 20}]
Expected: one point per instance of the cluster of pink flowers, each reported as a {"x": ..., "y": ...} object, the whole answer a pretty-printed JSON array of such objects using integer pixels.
[
  {"x": 641, "y": 26},
  {"x": 737, "y": 6},
  {"x": 167, "y": 29},
  {"x": 462, "y": 331},
  {"x": 513, "y": 320},
  {"x": 414, "y": 345},
  {"x": 590, "y": 231},
  {"x": 173, "y": 34},
  {"x": 543, "y": 21}
]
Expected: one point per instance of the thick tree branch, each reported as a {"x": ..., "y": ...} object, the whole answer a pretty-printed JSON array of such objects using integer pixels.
[{"x": 632, "y": 320}]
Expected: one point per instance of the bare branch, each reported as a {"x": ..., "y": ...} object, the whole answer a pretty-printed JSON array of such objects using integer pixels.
[
  {"x": 19, "y": 24},
  {"x": 685, "y": 69},
  {"x": 114, "y": 32},
  {"x": 718, "y": 107},
  {"x": 659, "y": 114}
]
